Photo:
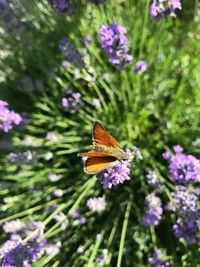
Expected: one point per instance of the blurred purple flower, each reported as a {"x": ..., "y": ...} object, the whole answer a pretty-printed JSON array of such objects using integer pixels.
[
  {"x": 61, "y": 217},
  {"x": 178, "y": 149},
  {"x": 166, "y": 155},
  {"x": 117, "y": 175},
  {"x": 14, "y": 226},
  {"x": 62, "y": 6},
  {"x": 72, "y": 101},
  {"x": 53, "y": 249},
  {"x": 153, "y": 180},
  {"x": 53, "y": 137},
  {"x": 65, "y": 64},
  {"x": 162, "y": 8},
  {"x": 71, "y": 53},
  {"x": 8, "y": 118},
  {"x": 114, "y": 43},
  {"x": 15, "y": 252},
  {"x": 102, "y": 258},
  {"x": 27, "y": 157},
  {"x": 154, "y": 210},
  {"x": 4, "y": 7},
  {"x": 87, "y": 40},
  {"x": 76, "y": 215},
  {"x": 184, "y": 168},
  {"x": 158, "y": 259},
  {"x": 185, "y": 207},
  {"x": 96, "y": 204},
  {"x": 140, "y": 67}
]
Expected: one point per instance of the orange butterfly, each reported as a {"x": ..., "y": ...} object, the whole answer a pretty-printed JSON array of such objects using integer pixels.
[{"x": 105, "y": 151}]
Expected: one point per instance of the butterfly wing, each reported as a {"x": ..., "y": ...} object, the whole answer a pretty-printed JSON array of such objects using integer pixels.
[
  {"x": 97, "y": 164},
  {"x": 90, "y": 154},
  {"x": 102, "y": 137}
]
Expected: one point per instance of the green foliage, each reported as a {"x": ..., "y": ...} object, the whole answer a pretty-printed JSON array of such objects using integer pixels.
[{"x": 153, "y": 112}]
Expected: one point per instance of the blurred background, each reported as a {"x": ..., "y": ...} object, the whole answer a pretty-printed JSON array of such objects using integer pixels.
[{"x": 134, "y": 66}]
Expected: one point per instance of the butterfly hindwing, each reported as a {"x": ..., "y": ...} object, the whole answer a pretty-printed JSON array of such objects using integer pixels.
[
  {"x": 90, "y": 154},
  {"x": 98, "y": 164}
]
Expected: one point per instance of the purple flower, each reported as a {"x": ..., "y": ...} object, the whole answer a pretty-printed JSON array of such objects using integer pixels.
[
  {"x": 114, "y": 43},
  {"x": 8, "y": 118},
  {"x": 134, "y": 153},
  {"x": 53, "y": 249},
  {"x": 62, "y": 6},
  {"x": 153, "y": 180},
  {"x": 71, "y": 54},
  {"x": 185, "y": 207},
  {"x": 13, "y": 226},
  {"x": 157, "y": 9},
  {"x": 4, "y": 7},
  {"x": 173, "y": 5},
  {"x": 53, "y": 137},
  {"x": 96, "y": 204},
  {"x": 27, "y": 157},
  {"x": 140, "y": 67},
  {"x": 61, "y": 217},
  {"x": 87, "y": 40},
  {"x": 158, "y": 259},
  {"x": 184, "y": 168},
  {"x": 65, "y": 64},
  {"x": 76, "y": 215},
  {"x": 178, "y": 149},
  {"x": 102, "y": 257},
  {"x": 166, "y": 155},
  {"x": 154, "y": 210},
  {"x": 15, "y": 252},
  {"x": 117, "y": 175},
  {"x": 162, "y": 8},
  {"x": 72, "y": 101}
]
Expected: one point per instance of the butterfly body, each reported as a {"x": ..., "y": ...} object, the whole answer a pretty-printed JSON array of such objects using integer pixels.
[{"x": 105, "y": 153}]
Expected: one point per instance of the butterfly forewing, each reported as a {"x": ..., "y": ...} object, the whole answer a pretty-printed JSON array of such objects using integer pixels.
[
  {"x": 102, "y": 137},
  {"x": 98, "y": 164}
]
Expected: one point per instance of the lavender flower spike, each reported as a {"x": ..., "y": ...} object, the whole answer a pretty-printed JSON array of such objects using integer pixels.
[
  {"x": 153, "y": 210},
  {"x": 140, "y": 67},
  {"x": 114, "y": 42},
  {"x": 13, "y": 226},
  {"x": 160, "y": 8},
  {"x": 62, "y": 6},
  {"x": 8, "y": 118},
  {"x": 158, "y": 259},
  {"x": 184, "y": 168},
  {"x": 96, "y": 204},
  {"x": 118, "y": 175},
  {"x": 15, "y": 252},
  {"x": 185, "y": 207}
]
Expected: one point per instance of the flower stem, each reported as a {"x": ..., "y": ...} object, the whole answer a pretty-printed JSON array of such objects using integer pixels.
[{"x": 123, "y": 234}]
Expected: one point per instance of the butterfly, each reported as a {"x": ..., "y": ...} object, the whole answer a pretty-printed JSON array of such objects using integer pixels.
[{"x": 105, "y": 153}]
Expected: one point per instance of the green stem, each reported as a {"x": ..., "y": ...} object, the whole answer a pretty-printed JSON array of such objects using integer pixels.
[
  {"x": 123, "y": 234},
  {"x": 153, "y": 236}
]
